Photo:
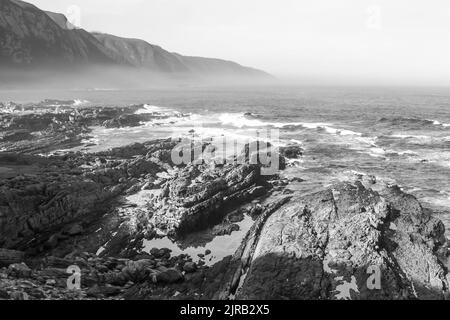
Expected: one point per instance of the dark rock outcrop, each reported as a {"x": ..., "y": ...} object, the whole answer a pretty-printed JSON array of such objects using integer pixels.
[
  {"x": 200, "y": 195},
  {"x": 32, "y": 205},
  {"x": 51, "y": 124},
  {"x": 326, "y": 246},
  {"x": 291, "y": 151}
]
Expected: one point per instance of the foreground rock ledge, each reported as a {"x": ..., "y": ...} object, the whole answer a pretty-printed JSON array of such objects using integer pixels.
[
  {"x": 318, "y": 246},
  {"x": 321, "y": 246}
]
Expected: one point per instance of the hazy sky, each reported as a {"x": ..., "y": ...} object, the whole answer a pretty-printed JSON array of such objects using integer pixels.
[{"x": 395, "y": 41}]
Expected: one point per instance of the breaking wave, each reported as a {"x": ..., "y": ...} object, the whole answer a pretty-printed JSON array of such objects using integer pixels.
[
  {"x": 150, "y": 109},
  {"x": 412, "y": 123},
  {"x": 79, "y": 102}
]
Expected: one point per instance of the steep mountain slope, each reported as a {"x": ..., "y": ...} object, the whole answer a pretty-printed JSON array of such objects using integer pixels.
[
  {"x": 218, "y": 66},
  {"x": 140, "y": 53},
  {"x": 60, "y": 20},
  {"x": 28, "y": 36}
]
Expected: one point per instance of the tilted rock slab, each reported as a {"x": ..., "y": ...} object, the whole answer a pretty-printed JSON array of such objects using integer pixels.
[
  {"x": 346, "y": 242},
  {"x": 199, "y": 195}
]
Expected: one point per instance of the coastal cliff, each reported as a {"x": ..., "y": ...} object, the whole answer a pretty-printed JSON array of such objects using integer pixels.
[{"x": 33, "y": 39}]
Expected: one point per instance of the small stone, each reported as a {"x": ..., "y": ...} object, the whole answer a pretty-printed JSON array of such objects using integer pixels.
[
  {"x": 159, "y": 253},
  {"x": 168, "y": 276},
  {"x": 50, "y": 282},
  {"x": 20, "y": 270},
  {"x": 75, "y": 229}
]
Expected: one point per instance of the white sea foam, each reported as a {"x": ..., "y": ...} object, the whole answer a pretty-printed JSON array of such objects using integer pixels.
[
  {"x": 313, "y": 125},
  {"x": 295, "y": 141},
  {"x": 150, "y": 109},
  {"x": 240, "y": 121},
  {"x": 295, "y": 163},
  {"x": 409, "y": 136},
  {"x": 377, "y": 152},
  {"x": 442, "y": 201},
  {"x": 438, "y": 158},
  {"x": 406, "y": 152},
  {"x": 412, "y": 190},
  {"x": 371, "y": 141},
  {"x": 90, "y": 140},
  {"x": 342, "y": 132},
  {"x": 171, "y": 120},
  {"x": 438, "y": 123},
  {"x": 79, "y": 102}
]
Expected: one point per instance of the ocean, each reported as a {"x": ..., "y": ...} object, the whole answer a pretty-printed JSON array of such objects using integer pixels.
[{"x": 398, "y": 135}]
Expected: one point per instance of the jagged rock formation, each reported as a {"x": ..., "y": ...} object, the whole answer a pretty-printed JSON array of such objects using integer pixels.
[
  {"x": 31, "y": 206},
  {"x": 73, "y": 209},
  {"x": 60, "y": 190},
  {"x": 198, "y": 196},
  {"x": 51, "y": 125},
  {"x": 326, "y": 245}
]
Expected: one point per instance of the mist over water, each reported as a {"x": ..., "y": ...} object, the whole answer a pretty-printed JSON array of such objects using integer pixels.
[{"x": 62, "y": 78}]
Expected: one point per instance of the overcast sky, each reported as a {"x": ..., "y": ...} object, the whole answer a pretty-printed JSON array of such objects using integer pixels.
[{"x": 395, "y": 41}]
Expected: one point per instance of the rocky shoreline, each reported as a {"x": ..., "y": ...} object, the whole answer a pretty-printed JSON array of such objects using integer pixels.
[{"x": 100, "y": 211}]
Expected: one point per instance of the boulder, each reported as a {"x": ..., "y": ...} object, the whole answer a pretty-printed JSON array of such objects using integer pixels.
[
  {"x": 190, "y": 267},
  {"x": 19, "y": 270},
  {"x": 167, "y": 276},
  {"x": 138, "y": 270},
  {"x": 74, "y": 229},
  {"x": 291, "y": 152}
]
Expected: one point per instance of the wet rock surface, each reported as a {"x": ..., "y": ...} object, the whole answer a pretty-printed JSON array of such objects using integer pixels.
[
  {"x": 97, "y": 211},
  {"x": 52, "y": 124}
]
